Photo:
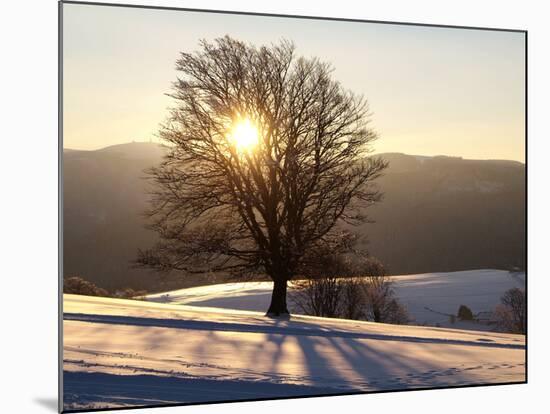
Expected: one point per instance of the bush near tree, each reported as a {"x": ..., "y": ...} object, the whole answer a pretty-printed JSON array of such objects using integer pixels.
[{"x": 465, "y": 313}]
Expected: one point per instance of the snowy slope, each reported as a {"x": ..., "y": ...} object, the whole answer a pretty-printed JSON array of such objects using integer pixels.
[
  {"x": 430, "y": 298},
  {"x": 122, "y": 352}
]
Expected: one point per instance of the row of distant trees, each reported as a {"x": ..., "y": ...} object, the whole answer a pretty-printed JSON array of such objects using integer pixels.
[{"x": 80, "y": 286}]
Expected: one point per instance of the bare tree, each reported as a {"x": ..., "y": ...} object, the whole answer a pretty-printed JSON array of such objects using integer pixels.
[
  {"x": 381, "y": 304},
  {"x": 219, "y": 206},
  {"x": 318, "y": 297},
  {"x": 512, "y": 313},
  {"x": 320, "y": 290},
  {"x": 357, "y": 290}
]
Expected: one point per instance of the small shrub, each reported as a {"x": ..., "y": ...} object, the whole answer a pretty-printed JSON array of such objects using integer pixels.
[
  {"x": 465, "y": 313},
  {"x": 79, "y": 286},
  {"x": 130, "y": 293}
]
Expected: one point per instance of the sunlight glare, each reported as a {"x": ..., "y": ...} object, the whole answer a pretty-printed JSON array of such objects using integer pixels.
[{"x": 244, "y": 135}]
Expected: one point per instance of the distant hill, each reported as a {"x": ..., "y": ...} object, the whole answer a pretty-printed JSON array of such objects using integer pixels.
[
  {"x": 438, "y": 214},
  {"x": 104, "y": 197},
  {"x": 446, "y": 214}
]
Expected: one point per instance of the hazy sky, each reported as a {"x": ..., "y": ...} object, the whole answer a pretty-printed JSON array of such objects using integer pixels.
[{"x": 431, "y": 90}]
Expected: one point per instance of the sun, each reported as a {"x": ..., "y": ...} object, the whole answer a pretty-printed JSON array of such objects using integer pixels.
[{"x": 244, "y": 135}]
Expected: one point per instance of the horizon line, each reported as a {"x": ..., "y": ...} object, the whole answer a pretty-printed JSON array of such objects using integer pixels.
[{"x": 374, "y": 153}]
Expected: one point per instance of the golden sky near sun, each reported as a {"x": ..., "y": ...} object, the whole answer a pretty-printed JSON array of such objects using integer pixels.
[{"x": 432, "y": 91}]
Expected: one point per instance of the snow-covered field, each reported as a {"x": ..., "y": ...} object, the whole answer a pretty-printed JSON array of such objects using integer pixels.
[
  {"x": 430, "y": 298},
  {"x": 130, "y": 353}
]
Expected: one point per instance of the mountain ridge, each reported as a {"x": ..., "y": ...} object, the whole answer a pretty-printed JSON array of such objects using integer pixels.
[
  {"x": 150, "y": 144},
  {"x": 438, "y": 214}
]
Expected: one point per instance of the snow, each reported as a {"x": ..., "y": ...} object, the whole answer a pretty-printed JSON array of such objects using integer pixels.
[
  {"x": 121, "y": 353},
  {"x": 430, "y": 298}
]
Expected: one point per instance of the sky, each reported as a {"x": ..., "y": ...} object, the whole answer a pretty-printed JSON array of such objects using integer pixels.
[{"x": 431, "y": 90}]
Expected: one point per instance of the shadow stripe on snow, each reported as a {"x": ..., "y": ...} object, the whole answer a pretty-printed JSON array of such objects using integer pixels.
[
  {"x": 280, "y": 330},
  {"x": 103, "y": 390}
]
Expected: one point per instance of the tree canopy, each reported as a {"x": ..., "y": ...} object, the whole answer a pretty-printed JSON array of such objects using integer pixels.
[{"x": 268, "y": 159}]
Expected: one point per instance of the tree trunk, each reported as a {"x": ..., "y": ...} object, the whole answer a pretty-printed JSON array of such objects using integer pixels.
[{"x": 278, "y": 299}]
